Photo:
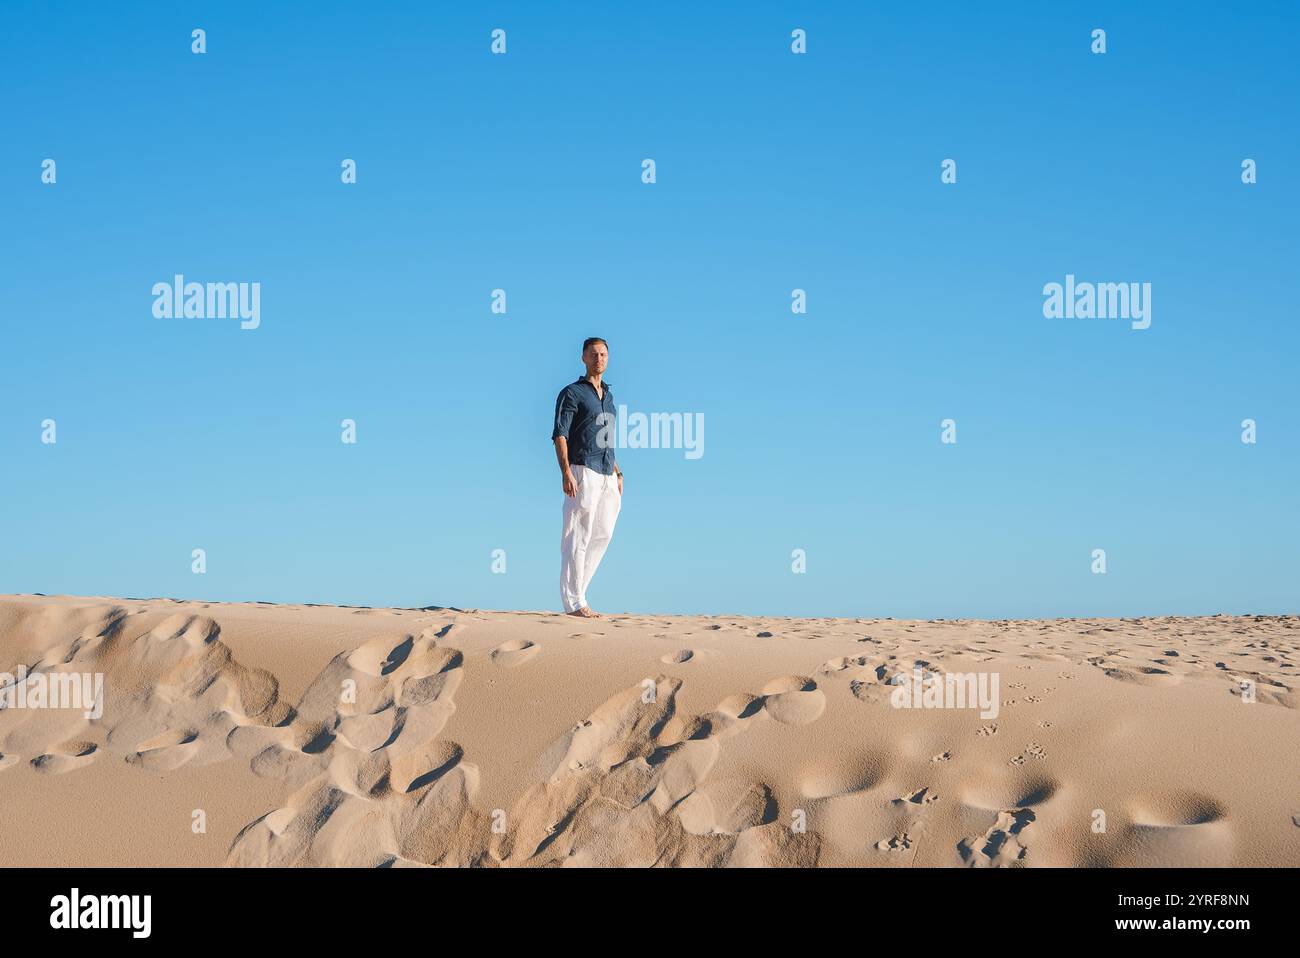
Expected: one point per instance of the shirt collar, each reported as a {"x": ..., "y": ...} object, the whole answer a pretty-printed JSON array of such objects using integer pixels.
[{"x": 605, "y": 385}]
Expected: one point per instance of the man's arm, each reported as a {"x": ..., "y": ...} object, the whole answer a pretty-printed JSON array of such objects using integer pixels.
[
  {"x": 565, "y": 408},
  {"x": 562, "y": 455}
]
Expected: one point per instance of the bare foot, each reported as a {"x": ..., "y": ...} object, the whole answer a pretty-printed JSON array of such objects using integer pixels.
[
  {"x": 591, "y": 613},
  {"x": 583, "y": 613}
]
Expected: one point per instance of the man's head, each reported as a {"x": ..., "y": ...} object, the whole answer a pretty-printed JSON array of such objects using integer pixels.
[{"x": 595, "y": 355}]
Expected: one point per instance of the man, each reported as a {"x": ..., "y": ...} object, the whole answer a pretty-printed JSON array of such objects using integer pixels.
[{"x": 592, "y": 480}]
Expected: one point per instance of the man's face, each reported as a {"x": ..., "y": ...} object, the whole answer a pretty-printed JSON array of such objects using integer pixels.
[{"x": 596, "y": 358}]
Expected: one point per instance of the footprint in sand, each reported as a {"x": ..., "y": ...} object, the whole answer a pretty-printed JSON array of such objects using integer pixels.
[
  {"x": 425, "y": 765},
  {"x": 167, "y": 751},
  {"x": 942, "y": 757},
  {"x": 984, "y": 731},
  {"x": 869, "y": 690},
  {"x": 678, "y": 657},
  {"x": 899, "y": 843},
  {"x": 1000, "y": 845},
  {"x": 727, "y": 807},
  {"x": 793, "y": 700},
  {"x": 842, "y": 663},
  {"x": 433, "y": 632},
  {"x": 7, "y": 760},
  {"x": 379, "y": 658},
  {"x": 1182, "y": 827},
  {"x": 1146, "y": 675},
  {"x": 69, "y": 756},
  {"x": 515, "y": 652},
  {"x": 367, "y": 731},
  {"x": 1175, "y": 810}
]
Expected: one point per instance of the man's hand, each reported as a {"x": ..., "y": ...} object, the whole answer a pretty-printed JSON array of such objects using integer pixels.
[{"x": 570, "y": 484}]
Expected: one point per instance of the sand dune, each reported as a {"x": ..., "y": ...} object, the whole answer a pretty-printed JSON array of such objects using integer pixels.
[{"x": 309, "y": 735}]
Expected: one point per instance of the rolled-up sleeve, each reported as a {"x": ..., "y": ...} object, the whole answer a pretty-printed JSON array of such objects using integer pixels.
[{"x": 565, "y": 407}]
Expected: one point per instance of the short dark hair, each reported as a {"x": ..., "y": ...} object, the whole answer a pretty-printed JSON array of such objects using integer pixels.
[{"x": 592, "y": 341}]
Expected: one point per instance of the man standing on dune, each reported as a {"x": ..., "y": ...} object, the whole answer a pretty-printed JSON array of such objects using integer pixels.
[{"x": 592, "y": 481}]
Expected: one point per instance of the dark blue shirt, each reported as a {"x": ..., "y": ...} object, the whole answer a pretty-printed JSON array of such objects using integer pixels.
[{"x": 580, "y": 415}]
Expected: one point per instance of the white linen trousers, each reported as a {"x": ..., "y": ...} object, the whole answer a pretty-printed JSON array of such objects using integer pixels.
[{"x": 589, "y": 519}]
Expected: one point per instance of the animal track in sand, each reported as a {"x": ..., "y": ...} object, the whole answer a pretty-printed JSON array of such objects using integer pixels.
[
  {"x": 986, "y": 730},
  {"x": 922, "y": 796}
]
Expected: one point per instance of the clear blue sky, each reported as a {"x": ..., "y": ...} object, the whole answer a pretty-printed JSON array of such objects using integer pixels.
[{"x": 775, "y": 171}]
